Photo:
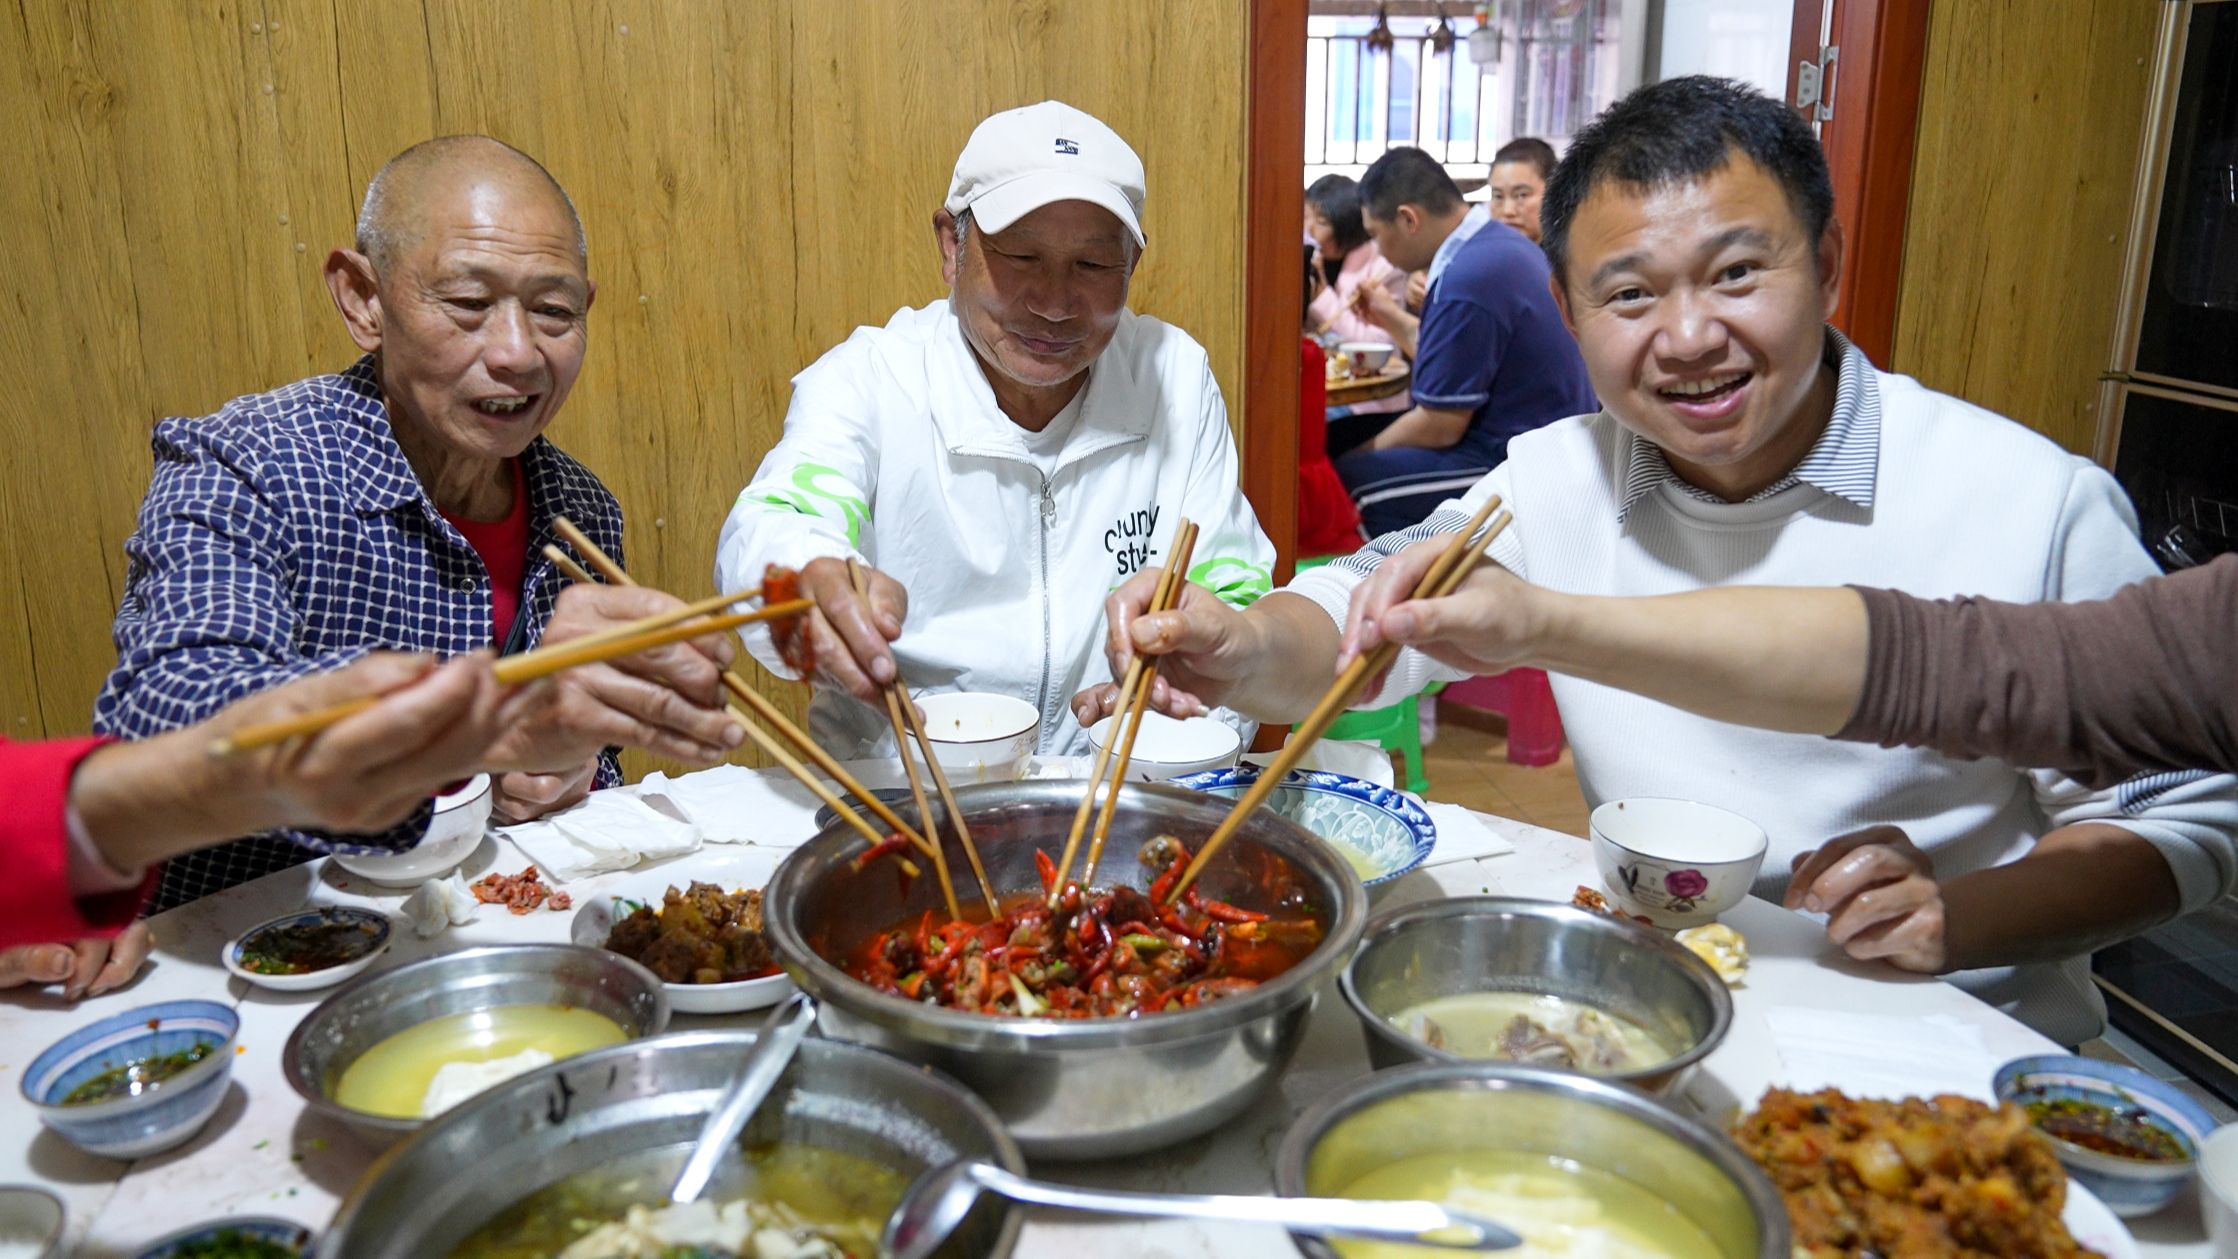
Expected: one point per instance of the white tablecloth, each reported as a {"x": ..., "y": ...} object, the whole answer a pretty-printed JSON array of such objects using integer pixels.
[{"x": 263, "y": 1154}]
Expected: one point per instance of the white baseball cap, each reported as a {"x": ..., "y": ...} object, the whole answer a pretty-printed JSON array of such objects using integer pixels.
[{"x": 1020, "y": 160}]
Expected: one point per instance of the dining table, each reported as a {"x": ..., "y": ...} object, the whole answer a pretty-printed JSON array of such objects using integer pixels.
[
  {"x": 1351, "y": 391},
  {"x": 265, "y": 1154}
]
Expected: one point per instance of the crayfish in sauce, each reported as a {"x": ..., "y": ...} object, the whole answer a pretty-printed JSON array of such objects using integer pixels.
[{"x": 1115, "y": 953}]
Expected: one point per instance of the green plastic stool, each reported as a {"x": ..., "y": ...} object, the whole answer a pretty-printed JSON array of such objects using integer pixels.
[{"x": 1394, "y": 729}]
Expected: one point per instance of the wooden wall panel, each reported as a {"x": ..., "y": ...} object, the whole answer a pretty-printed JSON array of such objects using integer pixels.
[
  {"x": 2029, "y": 124},
  {"x": 755, "y": 181}
]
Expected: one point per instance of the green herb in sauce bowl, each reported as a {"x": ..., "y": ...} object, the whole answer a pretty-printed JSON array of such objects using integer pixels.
[
  {"x": 138, "y": 1082},
  {"x": 310, "y": 949},
  {"x": 243, "y": 1237}
]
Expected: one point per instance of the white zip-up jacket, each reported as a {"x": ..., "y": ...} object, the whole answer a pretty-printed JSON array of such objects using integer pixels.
[{"x": 895, "y": 451}]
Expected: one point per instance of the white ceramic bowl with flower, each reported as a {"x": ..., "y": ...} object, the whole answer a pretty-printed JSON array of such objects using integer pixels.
[{"x": 1675, "y": 863}]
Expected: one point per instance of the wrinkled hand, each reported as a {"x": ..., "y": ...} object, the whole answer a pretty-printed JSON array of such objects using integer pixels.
[
  {"x": 87, "y": 968},
  {"x": 1487, "y": 625},
  {"x": 668, "y": 701},
  {"x": 1879, "y": 894},
  {"x": 849, "y": 635},
  {"x": 369, "y": 771},
  {"x": 525, "y": 797},
  {"x": 1418, "y": 289},
  {"x": 1204, "y": 646}
]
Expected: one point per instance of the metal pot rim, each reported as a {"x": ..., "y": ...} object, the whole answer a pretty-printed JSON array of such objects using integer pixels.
[
  {"x": 1317, "y": 1120},
  {"x": 298, "y": 1071},
  {"x": 960, "y": 1030},
  {"x": 1390, "y": 921}
]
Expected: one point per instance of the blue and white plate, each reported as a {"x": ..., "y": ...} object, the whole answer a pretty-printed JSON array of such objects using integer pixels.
[
  {"x": 286, "y": 1235},
  {"x": 1382, "y": 832}
]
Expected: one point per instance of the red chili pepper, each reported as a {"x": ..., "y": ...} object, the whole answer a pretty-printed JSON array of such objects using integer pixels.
[
  {"x": 1164, "y": 882},
  {"x": 1048, "y": 870},
  {"x": 924, "y": 934},
  {"x": 948, "y": 954},
  {"x": 1225, "y": 912},
  {"x": 890, "y": 844}
]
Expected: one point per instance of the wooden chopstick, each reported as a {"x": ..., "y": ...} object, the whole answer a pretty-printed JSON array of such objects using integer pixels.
[
  {"x": 566, "y": 564},
  {"x": 759, "y": 704},
  {"x": 1183, "y": 548},
  {"x": 525, "y": 666},
  {"x": 896, "y": 699},
  {"x": 1130, "y": 686},
  {"x": 1452, "y": 566}
]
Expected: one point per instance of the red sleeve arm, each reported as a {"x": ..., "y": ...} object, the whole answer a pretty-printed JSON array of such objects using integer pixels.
[{"x": 36, "y": 903}]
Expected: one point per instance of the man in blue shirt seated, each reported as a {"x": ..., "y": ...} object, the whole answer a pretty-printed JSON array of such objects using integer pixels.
[{"x": 1491, "y": 357}]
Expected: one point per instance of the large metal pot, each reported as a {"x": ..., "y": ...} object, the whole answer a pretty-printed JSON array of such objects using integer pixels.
[
  {"x": 1074, "y": 1089},
  {"x": 1381, "y": 1118},
  {"x": 427, "y": 1195}
]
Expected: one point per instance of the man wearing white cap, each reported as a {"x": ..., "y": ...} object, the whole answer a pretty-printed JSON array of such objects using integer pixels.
[{"x": 999, "y": 460}]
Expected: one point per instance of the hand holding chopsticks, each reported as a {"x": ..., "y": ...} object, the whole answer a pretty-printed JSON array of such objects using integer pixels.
[
  {"x": 1453, "y": 566},
  {"x": 759, "y": 717},
  {"x": 673, "y": 626},
  {"x": 1134, "y": 698}
]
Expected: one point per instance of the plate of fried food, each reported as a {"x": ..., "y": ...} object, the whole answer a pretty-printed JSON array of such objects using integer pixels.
[
  {"x": 1922, "y": 1176},
  {"x": 697, "y": 924}
]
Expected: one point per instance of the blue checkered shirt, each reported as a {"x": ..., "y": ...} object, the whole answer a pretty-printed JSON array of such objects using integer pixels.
[{"x": 287, "y": 535}]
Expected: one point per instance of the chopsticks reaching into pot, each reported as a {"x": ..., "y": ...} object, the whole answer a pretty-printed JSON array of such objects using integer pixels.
[
  {"x": 758, "y": 707},
  {"x": 1134, "y": 699},
  {"x": 901, "y": 712},
  {"x": 1451, "y": 568},
  {"x": 672, "y": 626}
]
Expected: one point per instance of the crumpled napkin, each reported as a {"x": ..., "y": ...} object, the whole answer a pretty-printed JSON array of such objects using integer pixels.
[
  {"x": 1879, "y": 1055},
  {"x": 440, "y": 904},
  {"x": 732, "y": 804},
  {"x": 609, "y": 830},
  {"x": 1462, "y": 836}
]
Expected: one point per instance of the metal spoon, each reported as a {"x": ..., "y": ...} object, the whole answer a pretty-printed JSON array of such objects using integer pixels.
[
  {"x": 780, "y": 1035},
  {"x": 942, "y": 1197}
]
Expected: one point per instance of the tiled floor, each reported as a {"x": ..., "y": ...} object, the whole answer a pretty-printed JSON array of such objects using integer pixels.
[{"x": 1468, "y": 765}]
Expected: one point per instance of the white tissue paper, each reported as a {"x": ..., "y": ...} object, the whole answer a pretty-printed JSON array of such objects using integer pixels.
[
  {"x": 1462, "y": 836},
  {"x": 1879, "y": 1055},
  {"x": 439, "y": 904},
  {"x": 734, "y": 805},
  {"x": 609, "y": 830}
]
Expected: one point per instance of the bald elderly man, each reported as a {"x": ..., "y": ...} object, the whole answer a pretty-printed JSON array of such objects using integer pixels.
[{"x": 404, "y": 503}]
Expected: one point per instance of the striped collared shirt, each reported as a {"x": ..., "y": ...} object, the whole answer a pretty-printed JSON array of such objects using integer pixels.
[{"x": 1843, "y": 462}]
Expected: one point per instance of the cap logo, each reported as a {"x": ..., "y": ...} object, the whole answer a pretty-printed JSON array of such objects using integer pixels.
[{"x": 1070, "y": 148}]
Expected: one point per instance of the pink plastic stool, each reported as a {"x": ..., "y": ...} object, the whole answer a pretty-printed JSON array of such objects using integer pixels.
[{"x": 1534, "y": 726}]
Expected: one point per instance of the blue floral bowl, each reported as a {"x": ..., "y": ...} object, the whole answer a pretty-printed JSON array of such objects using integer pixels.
[
  {"x": 228, "y": 1236},
  {"x": 162, "y": 1114},
  {"x": 1380, "y": 831},
  {"x": 2129, "y": 1186}
]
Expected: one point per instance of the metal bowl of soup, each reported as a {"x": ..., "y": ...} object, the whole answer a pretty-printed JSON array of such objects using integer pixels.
[
  {"x": 1444, "y": 981},
  {"x": 532, "y": 1164},
  {"x": 1537, "y": 1150},
  {"x": 474, "y": 1005},
  {"x": 1075, "y": 1088}
]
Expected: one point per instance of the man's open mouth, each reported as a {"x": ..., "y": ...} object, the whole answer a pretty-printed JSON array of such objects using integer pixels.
[{"x": 1707, "y": 389}]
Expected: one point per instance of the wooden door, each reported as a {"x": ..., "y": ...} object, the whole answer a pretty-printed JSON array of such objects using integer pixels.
[{"x": 1867, "y": 112}]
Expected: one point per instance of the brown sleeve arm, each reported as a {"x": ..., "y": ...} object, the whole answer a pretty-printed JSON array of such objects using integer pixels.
[{"x": 2146, "y": 680}]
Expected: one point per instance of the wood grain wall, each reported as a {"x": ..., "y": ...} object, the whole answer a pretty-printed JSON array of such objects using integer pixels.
[
  {"x": 756, "y": 179},
  {"x": 2030, "y": 119}
]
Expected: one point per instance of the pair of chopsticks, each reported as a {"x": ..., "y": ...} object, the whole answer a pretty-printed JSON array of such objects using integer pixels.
[
  {"x": 1134, "y": 701},
  {"x": 1452, "y": 567},
  {"x": 659, "y": 630},
  {"x": 754, "y": 712},
  {"x": 901, "y": 712}
]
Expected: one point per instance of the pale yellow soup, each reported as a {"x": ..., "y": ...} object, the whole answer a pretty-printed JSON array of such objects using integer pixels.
[
  {"x": 392, "y": 1077},
  {"x": 1559, "y": 1208},
  {"x": 1533, "y": 1028}
]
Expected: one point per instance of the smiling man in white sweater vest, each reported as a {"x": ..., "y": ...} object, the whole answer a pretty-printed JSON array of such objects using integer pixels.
[{"x": 1744, "y": 442}]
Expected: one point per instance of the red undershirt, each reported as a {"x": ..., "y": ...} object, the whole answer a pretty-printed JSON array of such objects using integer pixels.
[{"x": 503, "y": 546}]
